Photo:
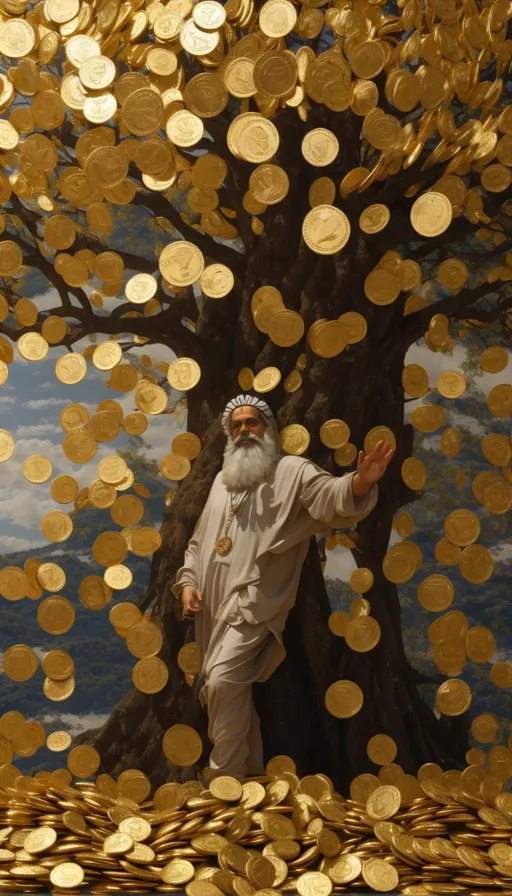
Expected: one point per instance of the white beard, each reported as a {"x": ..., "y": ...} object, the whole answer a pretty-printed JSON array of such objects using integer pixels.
[{"x": 251, "y": 464}]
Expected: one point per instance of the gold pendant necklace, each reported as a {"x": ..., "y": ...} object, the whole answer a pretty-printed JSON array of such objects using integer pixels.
[{"x": 224, "y": 544}]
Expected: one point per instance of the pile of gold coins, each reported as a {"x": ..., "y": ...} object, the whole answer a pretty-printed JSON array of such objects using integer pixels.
[{"x": 438, "y": 833}]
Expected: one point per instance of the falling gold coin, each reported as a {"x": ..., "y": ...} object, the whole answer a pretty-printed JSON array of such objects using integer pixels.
[
  {"x": 344, "y": 699},
  {"x": 453, "y": 697},
  {"x": 37, "y": 468},
  {"x": 182, "y": 745}
]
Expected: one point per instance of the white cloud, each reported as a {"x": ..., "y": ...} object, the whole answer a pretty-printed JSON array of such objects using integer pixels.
[
  {"x": 10, "y": 543},
  {"x": 37, "y": 430},
  {"x": 74, "y": 723},
  {"x": 6, "y": 399},
  {"x": 36, "y": 403},
  {"x": 340, "y": 564}
]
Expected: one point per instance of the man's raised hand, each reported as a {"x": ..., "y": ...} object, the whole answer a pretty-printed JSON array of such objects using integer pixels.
[
  {"x": 190, "y": 600},
  {"x": 371, "y": 467}
]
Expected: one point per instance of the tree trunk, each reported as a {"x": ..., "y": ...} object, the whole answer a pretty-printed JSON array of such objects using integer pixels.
[{"x": 294, "y": 719}]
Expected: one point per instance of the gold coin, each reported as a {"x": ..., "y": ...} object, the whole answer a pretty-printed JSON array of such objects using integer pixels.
[
  {"x": 112, "y": 469},
  {"x": 40, "y": 840},
  {"x": 338, "y": 622},
  {"x": 494, "y": 359},
  {"x": 451, "y": 384},
  {"x": 399, "y": 564},
  {"x": 94, "y": 592},
  {"x": 57, "y": 526},
  {"x": 480, "y": 644},
  {"x": 182, "y": 746},
  {"x": 382, "y": 287},
  {"x": 453, "y": 697},
  {"x": 178, "y": 871},
  {"x": 334, "y": 433},
  {"x": 277, "y": 18},
  {"x": 55, "y": 615},
  {"x": 378, "y": 434},
  {"x": 253, "y": 138},
  {"x": 381, "y": 749},
  {"x": 380, "y": 875},
  {"x": 6, "y": 445},
  {"x": 435, "y": 593},
  {"x": 123, "y": 378},
  {"x": 150, "y": 398},
  {"x": 322, "y": 192},
  {"x": 269, "y": 184},
  {"x": 326, "y": 229},
  {"x": 344, "y": 699},
  {"x": 150, "y": 675},
  {"x": 414, "y": 473},
  {"x": 181, "y": 263},
  {"x": 450, "y": 442},
  {"x": 362, "y": 633},
  {"x": 462, "y": 527},
  {"x": 384, "y": 802},
  {"x": 83, "y": 761},
  {"x": 361, "y": 580},
  {"x": 124, "y": 615},
  {"x": 58, "y": 665},
  {"x": 267, "y": 379},
  {"x": 174, "y": 467},
  {"x": 187, "y": 444},
  {"x": 226, "y": 788},
  {"x": 67, "y": 875},
  {"x": 51, "y": 576},
  {"x": 183, "y": 374},
  {"x": 286, "y": 328},
  {"x": 20, "y": 662},
  {"x": 501, "y": 674},
  {"x": 374, "y": 218},
  {"x": 431, "y": 214},
  {"x": 118, "y": 577},
  {"x": 107, "y": 355},
  {"x": 32, "y": 347},
  {"x": 216, "y": 280},
  {"x": 109, "y": 548},
  {"x": 79, "y": 446},
  {"x": 345, "y": 869},
  {"x": 144, "y": 639},
  {"x": 188, "y": 658},
  {"x": 496, "y": 449},
  {"x": 58, "y": 741},
  {"x": 320, "y": 147},
  {"x": 64, "y": 489},
  {"x": 145, "y": 541},
  {"x": 73, "y": 416},
  {"x": 499, "y": 400},
  {"x": 37, "y": 468},
  {"x": 452, "y": 273},
  {"x": 314, "y": 883},
  {"x": 135, "y": 424},
  {"x": 294, "y": 439},
  {"x": 117, "y": 844},
  {"x": 427, "y": 418},
  {"x": 71, "y": 368},
  {"x": 138, "y": 828}
]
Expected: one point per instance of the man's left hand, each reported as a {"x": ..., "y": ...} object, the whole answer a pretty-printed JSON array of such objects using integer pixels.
[{"x": 371, "y": 467}]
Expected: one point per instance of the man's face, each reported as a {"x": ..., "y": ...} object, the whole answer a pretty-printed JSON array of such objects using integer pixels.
[{"x": 246, "y": 422}]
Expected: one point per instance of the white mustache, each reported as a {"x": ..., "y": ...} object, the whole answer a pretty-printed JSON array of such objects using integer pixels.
[{"x": 240, "y": 440}]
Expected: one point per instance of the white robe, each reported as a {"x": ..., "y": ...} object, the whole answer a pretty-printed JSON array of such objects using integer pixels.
[{"x": 257, "y": 581}]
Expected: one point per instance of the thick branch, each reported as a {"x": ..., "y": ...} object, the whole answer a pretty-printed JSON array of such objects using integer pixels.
[{"x": 456, "y": 307}]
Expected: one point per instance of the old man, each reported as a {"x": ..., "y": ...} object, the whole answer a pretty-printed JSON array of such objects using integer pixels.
[{"x": 243, "y": 563}]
